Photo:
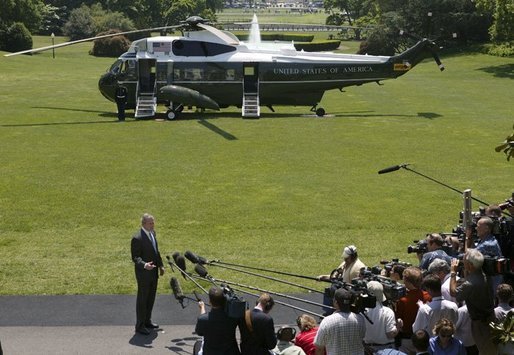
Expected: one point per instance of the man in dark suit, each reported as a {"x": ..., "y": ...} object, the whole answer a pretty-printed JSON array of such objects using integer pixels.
[
  {"x": 257, "y": 329},
  {"x": 147, "y": 259},
  {"x": 216, "y": 327}
]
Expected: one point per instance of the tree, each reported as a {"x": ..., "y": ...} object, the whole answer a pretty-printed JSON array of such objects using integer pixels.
[
  {"x": 80, "y": 24},
  {"x": 502, "y": 29},
  {"x": 27, "y": 12}
]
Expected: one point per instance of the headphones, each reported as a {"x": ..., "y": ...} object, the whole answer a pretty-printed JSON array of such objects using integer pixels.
[{"x": 290, "y": 333}]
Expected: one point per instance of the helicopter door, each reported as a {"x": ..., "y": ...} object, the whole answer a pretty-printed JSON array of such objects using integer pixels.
[
  {"x": 146, "y": 75},
  {"x": 251, "y": 78},
  {"x": 250, "y": 105}
]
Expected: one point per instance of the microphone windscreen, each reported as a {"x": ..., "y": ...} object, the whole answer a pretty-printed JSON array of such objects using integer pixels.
[
  {"x": 201, "y": 260},
  {"x": 175, "y": 255},
  {"x": 181, "y": 263},
  {"x": 390, "y": 169},
  {"x": 200, "y": 270},
  {"x": 175, "y": 287},
  {"x": 192, "y": 257}
]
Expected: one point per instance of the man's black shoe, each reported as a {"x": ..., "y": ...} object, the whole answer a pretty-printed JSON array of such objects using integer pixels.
[
  {"x": 152, "y": 325},
  {"x": 143, "y": 331}
]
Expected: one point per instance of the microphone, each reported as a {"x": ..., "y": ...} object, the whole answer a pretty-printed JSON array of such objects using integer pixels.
[
  {"x": 392, "y": 168},
  {"x": 200, "y": 270},
  {"x": 175, "y": 255},
  {"x": 177, "y": 291},
  {"x": 192, "y": 257},
  {"x": 181, "y": 263},
  {"x": 195, "y": 259}
]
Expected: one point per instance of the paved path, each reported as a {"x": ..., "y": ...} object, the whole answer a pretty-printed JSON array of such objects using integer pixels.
[{"x": 104, "y": 324}]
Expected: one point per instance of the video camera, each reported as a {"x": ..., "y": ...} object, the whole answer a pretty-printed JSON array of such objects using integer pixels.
[
  {"x": 389, "y": 265},
  {"x": 508, "y": 203},
  {"x": 421, "y": 246},
  {"x": 392, "y": 289},
  {"x": 235, "y": 306},
  {"x": 492, "y": 266},
  {"x": 361, "y": 299}
]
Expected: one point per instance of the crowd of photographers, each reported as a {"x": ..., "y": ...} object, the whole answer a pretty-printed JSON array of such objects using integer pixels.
[{"x": 443, "y": 305}]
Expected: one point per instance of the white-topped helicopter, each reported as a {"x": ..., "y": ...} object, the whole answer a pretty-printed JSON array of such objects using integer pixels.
[{"x": 211, "y": 69}]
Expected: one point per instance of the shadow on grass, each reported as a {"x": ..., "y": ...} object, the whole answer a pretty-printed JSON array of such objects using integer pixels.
[
  {"x": 500, "y": 71},
  {"x": 217, "y": 130},
  {"x": 56, "y": 123}
]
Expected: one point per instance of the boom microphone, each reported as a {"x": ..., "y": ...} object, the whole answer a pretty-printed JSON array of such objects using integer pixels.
[
  {"x": 392, "y": 168},
  {"x": 200, "y": 270},
  {"x": 195, "y": 259},
  {"x": 181, "y": 263},
  {"x": 177, "y": 290},
  {"x": 175, "y": 255}
]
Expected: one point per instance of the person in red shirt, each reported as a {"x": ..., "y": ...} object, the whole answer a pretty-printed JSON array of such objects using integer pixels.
[
  {"x": 407, "y": 306},
  {"x": 308, "y": 329}
]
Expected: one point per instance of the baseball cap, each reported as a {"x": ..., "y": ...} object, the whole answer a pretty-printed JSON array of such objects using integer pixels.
[
  {"x": 349, "y": 251},
  {"x": 376, "y": 288}
]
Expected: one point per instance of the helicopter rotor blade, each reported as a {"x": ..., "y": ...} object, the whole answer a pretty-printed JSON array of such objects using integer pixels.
[
  {"x": 220, "y": 34},
  {"x": 42, "y": 49}
]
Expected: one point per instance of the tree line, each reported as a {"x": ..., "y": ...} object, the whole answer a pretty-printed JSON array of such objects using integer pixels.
[{"x": 472, "y": 20}]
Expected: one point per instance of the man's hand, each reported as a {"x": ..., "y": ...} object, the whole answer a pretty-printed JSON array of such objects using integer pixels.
[
  {"x": 149, "y": 265},
  {"x": 454, "y": 265}
]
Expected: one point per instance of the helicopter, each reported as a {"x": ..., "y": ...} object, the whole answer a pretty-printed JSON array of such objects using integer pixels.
[{"x": 210, "y": 68}]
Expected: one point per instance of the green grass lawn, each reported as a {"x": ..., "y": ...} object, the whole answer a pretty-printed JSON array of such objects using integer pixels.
[{"x": 285, "y": 192}]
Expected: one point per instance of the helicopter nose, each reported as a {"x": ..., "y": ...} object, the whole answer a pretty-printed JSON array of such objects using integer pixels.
[{"x": 107, "y": 85}]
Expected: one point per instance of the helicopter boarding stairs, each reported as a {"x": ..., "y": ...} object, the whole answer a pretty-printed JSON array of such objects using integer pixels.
[
  {"x": 146, "y": 104},
  {"x": 251, "y": 106}
]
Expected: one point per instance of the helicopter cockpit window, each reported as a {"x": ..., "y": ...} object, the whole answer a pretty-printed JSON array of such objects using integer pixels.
[
  {"x": 116, "y": 67},
  {"x": 129, "y": 69},
  {"x": 199, "y": 48}
]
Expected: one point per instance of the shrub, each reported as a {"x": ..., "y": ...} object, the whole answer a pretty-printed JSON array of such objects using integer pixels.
[
  {"x": 17, "y": 38},
  {"x": 110, "y": 46},
  {"x": 80, "y": 24}
]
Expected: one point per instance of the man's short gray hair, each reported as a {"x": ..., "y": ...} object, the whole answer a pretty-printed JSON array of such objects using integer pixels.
[
  {"x": 438, "y": 265},
  {"x": 475, "y": 257},
  {"x": 146, "y": 217}
]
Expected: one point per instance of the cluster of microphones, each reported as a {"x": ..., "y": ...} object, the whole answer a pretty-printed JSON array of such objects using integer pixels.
[{"x": 235, "y": 305}]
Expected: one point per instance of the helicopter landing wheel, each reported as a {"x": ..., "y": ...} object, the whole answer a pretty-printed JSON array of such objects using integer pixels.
[
  {"x": 171, "y": 114},
  {"x": 320, "y": 112}
]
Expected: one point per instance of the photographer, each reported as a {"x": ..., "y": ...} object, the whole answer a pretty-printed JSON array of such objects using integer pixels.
[
  {"x": 342, "y": 332},
  {"x": 434, "y": 246},
  {"x": 216, "y": 327},
  {"x": 380, "y": 332},
  {"x": 348, "y": 270},
  {"x": 475, "y": 292},
  {"x": 441, "y": 269},
  {"x": 487, "y": 245}
]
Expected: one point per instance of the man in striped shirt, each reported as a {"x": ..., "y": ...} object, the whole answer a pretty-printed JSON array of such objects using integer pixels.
[{"x": 342, "y": 332}]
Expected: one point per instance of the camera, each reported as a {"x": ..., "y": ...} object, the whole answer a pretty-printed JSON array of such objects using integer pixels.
[
  {"x": 421, "y": 247},
  {"x": 361, "y": 299},
  {"x": 495, "y": 265},
  {"x": 392, "y": 289},
  {"x": 389, "y": 265},
  {"x": 508, "y": 203},
  {"x": 235, "y": 306}
]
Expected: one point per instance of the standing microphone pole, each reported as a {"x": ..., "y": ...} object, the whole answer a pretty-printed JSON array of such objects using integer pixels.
[{"x": 405, "y": 166}]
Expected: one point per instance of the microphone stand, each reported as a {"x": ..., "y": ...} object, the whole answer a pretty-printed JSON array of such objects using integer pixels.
[
  {"x": 268, "y": 277},
  {"x": 213, "y": 281},
  {"x": 405, "y": 166}
]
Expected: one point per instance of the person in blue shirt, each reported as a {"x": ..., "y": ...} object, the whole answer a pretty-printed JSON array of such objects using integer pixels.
[{"x": 443, "y": 343}]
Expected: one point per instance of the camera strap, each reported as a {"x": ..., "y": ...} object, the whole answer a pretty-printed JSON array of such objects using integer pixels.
[{"x": 248, "y": 320}]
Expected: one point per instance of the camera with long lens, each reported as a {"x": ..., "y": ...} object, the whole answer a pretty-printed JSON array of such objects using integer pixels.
[
  {"x": 421, "y": 247},
  {"x": 492, "y": 266},
  {"x": 393, "y": 290},
  {"x": 508, "y": 203},
  {"x": 361, "y": 299},
  {"x": 389, "y": 265},
  {"x": 235, "y": 306}
]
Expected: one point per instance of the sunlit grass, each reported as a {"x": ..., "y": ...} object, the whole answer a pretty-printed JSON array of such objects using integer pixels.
[{"x": 285, "y": 192}]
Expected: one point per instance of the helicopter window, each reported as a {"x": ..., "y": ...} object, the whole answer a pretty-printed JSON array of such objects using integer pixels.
[
  {"x": 193, "y": 74},
  {"x": 115, "y": 68},
  {"x": 129, "y": 69},
  {"x": 230, "y": 74},
  {"x": 199, "y": 48}
]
